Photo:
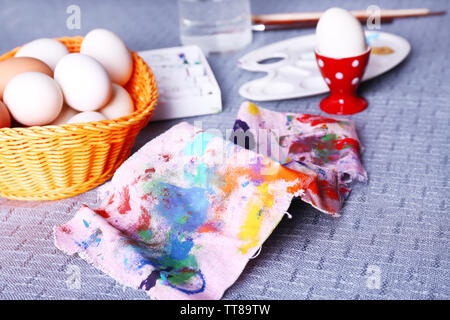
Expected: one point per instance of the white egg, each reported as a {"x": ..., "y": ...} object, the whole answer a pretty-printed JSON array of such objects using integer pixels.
[
  {"x": 84, "y": 82},
  {"x": 339, "y": 34},
  {"x": 87, "y": 116},
  {"x": 33, "y": 98},
  {"x": 120, "y": 104},
  {"x": 111, "y": 52},
  {"x": 65, "y": 115},
  {"x": 46, "y": 50}
]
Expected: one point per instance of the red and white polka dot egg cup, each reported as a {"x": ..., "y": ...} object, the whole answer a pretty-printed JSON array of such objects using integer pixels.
[{"x": 342, "y": 77}]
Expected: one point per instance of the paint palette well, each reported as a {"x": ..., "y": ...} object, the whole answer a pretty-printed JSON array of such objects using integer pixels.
[{"x": 292, "y": 71}]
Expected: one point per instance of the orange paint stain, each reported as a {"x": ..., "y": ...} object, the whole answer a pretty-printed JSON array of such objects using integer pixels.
[
  {"x": 209, "y": 226},
  {"x": 270, "y": 172}
]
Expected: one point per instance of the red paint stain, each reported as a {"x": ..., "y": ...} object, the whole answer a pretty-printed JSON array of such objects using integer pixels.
[
  {"x": 347, "y": 143},
  {"x": 314, "y": 120},
  {"x": 124, "y": 205},
  {"x": 299, "y": 147},
  {"x": 149, "y": 170},
  {"x": 166, "y": 157},
  {"x": 144, "y": 219},
  {"x": 334, "y": 157},
  {"x": 313, "y": 187},
  {"x": 148, "y": 197},
  {"x": 66, "y": 229},
  {"x": 329, "y": 191},
  {"x": 102, "y": 213},
  {"x": 111, "y": 199},
  {"x": 344, "y": 190}
]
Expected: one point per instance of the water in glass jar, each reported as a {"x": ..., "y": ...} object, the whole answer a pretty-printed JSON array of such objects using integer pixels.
[{"x": 216, "y": 26}]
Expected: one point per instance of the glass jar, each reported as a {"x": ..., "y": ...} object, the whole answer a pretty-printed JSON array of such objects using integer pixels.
[{"x": 216, "y": 26}]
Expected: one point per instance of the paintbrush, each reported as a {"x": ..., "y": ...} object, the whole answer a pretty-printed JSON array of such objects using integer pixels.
[{"x": 296, "y": 20}]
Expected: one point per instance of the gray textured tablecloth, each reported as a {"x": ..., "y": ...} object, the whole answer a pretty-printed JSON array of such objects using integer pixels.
[{"x": 392, "y": 241}]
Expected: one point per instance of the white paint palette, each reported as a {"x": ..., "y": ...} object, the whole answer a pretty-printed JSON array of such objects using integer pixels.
[
  {"x": 292, "y": 70},
  {"x": 186, "y": 84}
]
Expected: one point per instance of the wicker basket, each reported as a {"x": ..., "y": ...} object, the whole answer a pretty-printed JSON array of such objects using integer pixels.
[{"x": 55, "y": 162}]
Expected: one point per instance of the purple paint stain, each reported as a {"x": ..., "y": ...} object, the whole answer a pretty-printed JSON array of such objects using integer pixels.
[
  {"x": 240, "y": 128},
  {"x": 257, "y": 176},
  {"x": 150, "y": 281}
]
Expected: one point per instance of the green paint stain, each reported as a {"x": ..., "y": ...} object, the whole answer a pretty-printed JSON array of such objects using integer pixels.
[
  {"x": 145, "y": 235},
  {"x": 330, "y": 137},
  {"x": 182, "y": 219},
  {"x": 181, "y": 278}
]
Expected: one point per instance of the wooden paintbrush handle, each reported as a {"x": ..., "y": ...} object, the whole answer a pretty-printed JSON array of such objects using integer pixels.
[{"x": 310, "y": 17}]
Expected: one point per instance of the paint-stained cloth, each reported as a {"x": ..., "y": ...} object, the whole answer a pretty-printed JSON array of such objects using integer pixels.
[
  {"x": 328, "y": 146},
  {"x": 183, "y": 215}
]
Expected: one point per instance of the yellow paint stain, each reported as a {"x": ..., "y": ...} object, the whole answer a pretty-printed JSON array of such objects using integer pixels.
[
  {"x": 267, "y": 196},
  {"x": 249, "y": 231},
  {"x": 382, "y": 50},
  {"x": 253, "y": 109},
  {"x": 270, "y": 172}
]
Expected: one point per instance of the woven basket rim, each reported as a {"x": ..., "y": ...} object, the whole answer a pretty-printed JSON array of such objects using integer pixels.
[{"x": 50, "y": 130}]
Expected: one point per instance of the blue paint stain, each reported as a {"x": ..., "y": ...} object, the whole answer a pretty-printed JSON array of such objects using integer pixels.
[
  {"x": 260, "y": 213},
  {"x": 94, "y": 238},
  {"x": 245, "y": 184},
  {"x": 179, "y": 250},
  {"x": 322, "y": 172},
  {"x": 184, "y": 208},
  {"x": 199, "y": 277},
  {"x": 86, "y": 224},
  {"x": 289, "y": 119},
  {"x": 174, "y": 260}
]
